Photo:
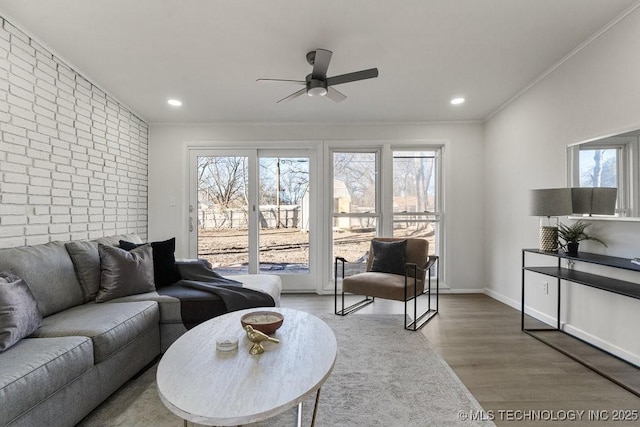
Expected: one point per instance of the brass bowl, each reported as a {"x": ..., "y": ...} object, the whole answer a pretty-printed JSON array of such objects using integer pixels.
[{"x": 266, "y": 322}]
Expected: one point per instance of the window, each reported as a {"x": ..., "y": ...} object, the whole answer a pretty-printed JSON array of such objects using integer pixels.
[
  {"x": 355, "y": 211},
  {"x": 390, "y": 191},
  {"x": 609, "y": 162},
  {"x": 415, "y": 196}
]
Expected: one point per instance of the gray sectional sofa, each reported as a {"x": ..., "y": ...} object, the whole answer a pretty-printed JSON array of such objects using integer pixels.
[{"x": 82, "y": 351}]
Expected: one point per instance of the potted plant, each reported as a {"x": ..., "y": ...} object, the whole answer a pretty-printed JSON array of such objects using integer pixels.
[{"x": 573, "y": 234}]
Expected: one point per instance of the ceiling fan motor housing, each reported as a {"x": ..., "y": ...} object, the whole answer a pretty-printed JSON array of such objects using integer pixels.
[{"x": 316, "y": 87}]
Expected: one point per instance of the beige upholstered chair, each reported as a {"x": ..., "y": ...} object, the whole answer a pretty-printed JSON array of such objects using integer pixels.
[{"x": 396, "y": 269}]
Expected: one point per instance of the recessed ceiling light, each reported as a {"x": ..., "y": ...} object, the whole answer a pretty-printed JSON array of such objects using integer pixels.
[
  {"x": 174, "y": 102},
  {"x": 457, "y": 101}
]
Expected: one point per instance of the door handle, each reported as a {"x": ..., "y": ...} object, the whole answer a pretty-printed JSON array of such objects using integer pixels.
[{"x": 190, "y": 224}]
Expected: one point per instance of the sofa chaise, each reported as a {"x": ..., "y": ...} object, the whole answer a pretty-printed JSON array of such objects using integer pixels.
[{"x": 73, "y": 330}]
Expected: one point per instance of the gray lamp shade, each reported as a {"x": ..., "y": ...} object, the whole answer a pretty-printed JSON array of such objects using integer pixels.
[
  {"x": 598, "y": 200},
  {"x": 550, "y": 202}
]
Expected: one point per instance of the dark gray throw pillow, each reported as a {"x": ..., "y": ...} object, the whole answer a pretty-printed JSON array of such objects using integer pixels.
[
  {"x": 19, "y": 315},
  {"x": 389, "y": 257},
  {"x": 125, "y": 273}
]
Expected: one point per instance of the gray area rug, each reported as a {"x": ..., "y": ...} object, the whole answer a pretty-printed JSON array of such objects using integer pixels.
[{"x": 383, "y": 376}]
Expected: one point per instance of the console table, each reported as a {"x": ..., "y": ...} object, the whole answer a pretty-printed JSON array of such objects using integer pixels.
[{"x": 620, "y": 287}]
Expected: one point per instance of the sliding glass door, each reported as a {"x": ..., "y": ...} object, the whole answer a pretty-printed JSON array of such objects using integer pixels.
[{"x": 250, "y": 211}]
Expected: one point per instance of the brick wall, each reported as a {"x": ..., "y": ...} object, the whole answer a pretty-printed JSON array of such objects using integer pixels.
[{"x": 73, "y": 161}]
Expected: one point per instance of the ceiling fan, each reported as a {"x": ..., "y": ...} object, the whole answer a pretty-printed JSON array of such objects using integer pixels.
[{"x": 318, "y": 84}]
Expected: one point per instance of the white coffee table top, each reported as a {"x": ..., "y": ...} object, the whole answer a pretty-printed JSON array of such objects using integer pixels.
[{"x": 204, "y": 386}]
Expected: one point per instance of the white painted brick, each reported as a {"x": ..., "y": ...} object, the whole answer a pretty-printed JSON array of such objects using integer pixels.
[
  {"x": 16, "y": 101},
  {"x": 7, "y": 187},
  {"x": 84, "y": 154},
  {"x": 75, "y": 228},
  {"x": 20, "y": 61},
  {"x": 39, "y": 200},
  {"x": 44, "y": 164},
  {"x": 14, "y": 31},
  {"x": 23, "y": 123},
  {"x": 10, "y": 167},
  {"x": 59, "y": 236},
  {"x": 40, "y": 174},
  {"x": 62, "y": 201},
  {"x": 60, "y": 160},
  {"x": 12, "y": 242},
  {"x": 64, "y": 88},
  {"x": 18, "y": 159},
  {"x": 61, "y": 219},
  {"x": 19, "y": 112},
  {"x": 46, "y": 130},
  {"x": 13, "y": 220},
  {"x": 12, "y": 148},
  {"x": 15, "y": 178},
  {"x": 42, "y": 112},
  {"x": 22, "y": 77},
  {"x": 22, "y": 93},
  {"x": 46, "y": 90},
  {"x": 47, "y": 58},
  {"x": 66, "y": 112},
  {"x": 11, "y": 231},
  {"x": 33, "y": 190},
  {"x": 40, "y": 74},
  {"x": 60, "y": 192}
]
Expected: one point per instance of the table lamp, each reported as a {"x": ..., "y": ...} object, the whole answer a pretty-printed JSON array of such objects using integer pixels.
[{"x": 550, "y": 202}]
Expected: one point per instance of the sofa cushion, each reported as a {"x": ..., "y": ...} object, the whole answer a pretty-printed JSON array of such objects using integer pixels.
[
  {"x": 125, "y": 273},
  {"x": 36, "y": 368},
  {"x": 165, "y": 271},
  {"x": 86, "y": 261},
  {"x": 268, "y": 283},
  {"x": 110, "y": 326},
  {"x": 48, "y": 271},
  {"x": 168, "y": 305},
  {"x": 19, "y": 316}
]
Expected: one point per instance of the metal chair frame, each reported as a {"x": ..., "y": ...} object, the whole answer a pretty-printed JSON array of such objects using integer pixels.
[{"x": 419, "y": 321}]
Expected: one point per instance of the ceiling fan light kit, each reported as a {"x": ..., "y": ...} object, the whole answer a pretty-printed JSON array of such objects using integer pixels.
[{"x": 318, "y": 84}]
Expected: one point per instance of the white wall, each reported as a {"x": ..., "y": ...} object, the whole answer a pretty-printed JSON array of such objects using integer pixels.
[
  {"x": 594, "y": 93},
  {"x": 462, "y": 167},
  {"x": 73, "y": 161}
]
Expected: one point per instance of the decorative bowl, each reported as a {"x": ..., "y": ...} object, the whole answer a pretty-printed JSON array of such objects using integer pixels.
[{"x": 264, "y": 321}]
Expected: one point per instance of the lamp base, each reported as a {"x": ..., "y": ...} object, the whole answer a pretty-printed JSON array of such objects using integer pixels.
[{"x": 548, "y": 239}]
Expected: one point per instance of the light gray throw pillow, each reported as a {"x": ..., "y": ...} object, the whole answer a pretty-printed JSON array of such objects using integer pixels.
[
  {"x": 86, "y": 262},
  {"x": 19, "y": 315},
  {"x": 125, "y": 273}
]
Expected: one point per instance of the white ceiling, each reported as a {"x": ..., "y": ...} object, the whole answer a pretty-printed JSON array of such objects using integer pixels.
[{"x": 209, "y": 53}]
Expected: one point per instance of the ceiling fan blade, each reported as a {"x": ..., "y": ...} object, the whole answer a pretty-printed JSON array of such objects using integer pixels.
[
  {"x": 298, "y": 82},
  {"x": 321, "y": 64},
  {"x": 352, "y": 77},
  {"x": 335, "y": 95},
  {"x": 293, "y": 95}
]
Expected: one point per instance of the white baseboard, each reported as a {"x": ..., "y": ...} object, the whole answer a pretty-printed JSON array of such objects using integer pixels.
[
  {"x": 591, "y": 339},
  {"x": 604, "y": 345}
]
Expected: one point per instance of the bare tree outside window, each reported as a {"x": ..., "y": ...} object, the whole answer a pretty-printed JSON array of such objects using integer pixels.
[{"x": 599, "y": 168}]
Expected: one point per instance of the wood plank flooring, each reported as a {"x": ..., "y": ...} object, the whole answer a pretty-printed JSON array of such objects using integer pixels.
[{"x": 509, "y": 372}]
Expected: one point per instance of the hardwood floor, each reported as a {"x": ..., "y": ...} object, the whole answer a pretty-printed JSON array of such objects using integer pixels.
[{"x": 513, "y": 376}]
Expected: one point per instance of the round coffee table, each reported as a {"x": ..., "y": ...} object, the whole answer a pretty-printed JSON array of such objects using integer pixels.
[{"x": 205, "y": 386}]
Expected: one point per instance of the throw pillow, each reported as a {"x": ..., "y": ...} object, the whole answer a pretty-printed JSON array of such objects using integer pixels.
[
  {"x": 124, "y": 273},
  {"x": 86, "y": 262},
  {"x": 19, "y": 315},
  {"x": 389, "y": 257},
  {"x": 165, "y": 271}
]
